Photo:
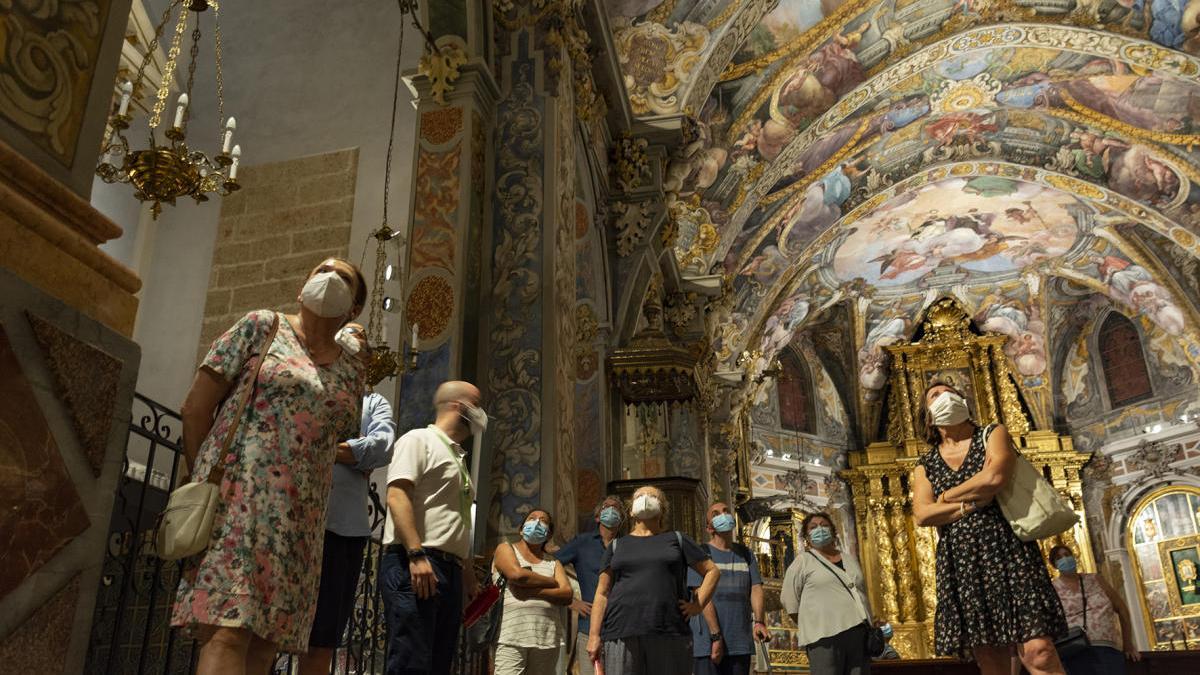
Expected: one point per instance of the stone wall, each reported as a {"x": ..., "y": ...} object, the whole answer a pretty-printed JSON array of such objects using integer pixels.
[{"x": 287, "y": 217}]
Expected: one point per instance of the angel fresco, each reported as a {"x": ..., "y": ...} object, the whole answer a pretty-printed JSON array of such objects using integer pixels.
[
  {"x": 1134, "y": 286},
  {"x": 777, "y": 332},
  {"x": 892, "y": 328},
  {"x": 1026, "y": 345},
  {"x": 820, "y": 208}
]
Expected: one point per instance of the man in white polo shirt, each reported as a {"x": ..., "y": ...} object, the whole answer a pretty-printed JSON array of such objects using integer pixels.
[{"x": 426, "y": 571}]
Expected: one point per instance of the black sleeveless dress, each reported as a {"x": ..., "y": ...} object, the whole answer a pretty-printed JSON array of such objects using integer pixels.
[{"x": 992, "y": 588}]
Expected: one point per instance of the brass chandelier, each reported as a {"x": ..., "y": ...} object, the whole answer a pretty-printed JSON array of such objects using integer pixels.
[{"x": 163, "y": 172}]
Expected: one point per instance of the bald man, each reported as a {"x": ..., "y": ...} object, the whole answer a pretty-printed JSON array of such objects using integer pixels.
[{"x": 426, "y": 573}]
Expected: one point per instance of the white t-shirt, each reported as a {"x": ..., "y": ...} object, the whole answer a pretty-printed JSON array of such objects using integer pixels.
[{"x": 423, "y": 457}]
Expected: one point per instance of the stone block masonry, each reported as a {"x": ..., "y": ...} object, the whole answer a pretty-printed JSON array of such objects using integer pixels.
[{"x": 287, "y": 217}]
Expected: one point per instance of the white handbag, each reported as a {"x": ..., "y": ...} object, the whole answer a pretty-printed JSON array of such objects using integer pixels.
[
  {"x": 185, "y": 526},
  {"x": 1032, "y": 506}
]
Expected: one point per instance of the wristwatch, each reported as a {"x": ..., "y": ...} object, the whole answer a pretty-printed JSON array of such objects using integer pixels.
[
  {"x": 416, "y": 553},
  {"x": 716, "y": 637}
]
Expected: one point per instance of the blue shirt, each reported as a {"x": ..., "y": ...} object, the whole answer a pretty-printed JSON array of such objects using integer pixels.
[
  {"x": 347, "y": 514},
  {"x": 732, "y": 602},
  {"x": 584, "y": 552}
]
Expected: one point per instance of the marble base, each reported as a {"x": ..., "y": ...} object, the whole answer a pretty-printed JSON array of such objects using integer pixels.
[
  {"x": 50, "y": 237},
  {"x": 62, "y": 530}
]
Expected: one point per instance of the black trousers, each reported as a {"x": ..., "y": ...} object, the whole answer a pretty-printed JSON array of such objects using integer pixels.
[{"x": 422, "y": 634}]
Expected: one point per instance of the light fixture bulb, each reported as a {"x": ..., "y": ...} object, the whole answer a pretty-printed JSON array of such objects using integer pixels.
[
  {"x": 389, "y": 304},
  {"x": 389, "y": 272}
]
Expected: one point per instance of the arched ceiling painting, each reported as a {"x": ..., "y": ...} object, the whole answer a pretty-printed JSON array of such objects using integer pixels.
[{"x": 877, "y": 155}]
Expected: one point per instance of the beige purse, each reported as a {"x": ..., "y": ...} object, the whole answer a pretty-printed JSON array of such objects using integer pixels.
[
  {"x": 1032, "y": 506},
  {"x": 185, "y": 526}
]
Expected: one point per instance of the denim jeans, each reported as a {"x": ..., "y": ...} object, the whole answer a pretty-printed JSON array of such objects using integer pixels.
[
  {"x": 1096, "y": 660},
  {"x": 422, "y": 634}
]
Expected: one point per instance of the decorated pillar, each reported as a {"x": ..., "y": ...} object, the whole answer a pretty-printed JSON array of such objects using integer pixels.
[
  {"x": 67, "y": 363},
  {"x": 528, "y": 336}
]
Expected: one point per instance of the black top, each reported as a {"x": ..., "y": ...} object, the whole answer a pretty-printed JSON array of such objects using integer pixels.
[
  {"x": 992, "y": 588},
  {"x": 841, "y": 565},
  {"x": 648, "y": 578}
]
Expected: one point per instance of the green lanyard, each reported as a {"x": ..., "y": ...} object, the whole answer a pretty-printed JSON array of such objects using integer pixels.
[{"x": 464, "y": 495}]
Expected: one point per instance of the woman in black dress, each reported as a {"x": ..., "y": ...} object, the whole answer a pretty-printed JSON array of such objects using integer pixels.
[{"x": 993, "y": 591}]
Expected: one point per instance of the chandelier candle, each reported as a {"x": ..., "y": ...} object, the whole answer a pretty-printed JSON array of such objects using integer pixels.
[
  {"x": 126, "y": 93},
  {"x": 237, "y": 156},
  {"x": 229, "y": 127}
]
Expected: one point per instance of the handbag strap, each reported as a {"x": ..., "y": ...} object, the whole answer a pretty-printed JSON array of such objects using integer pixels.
[
  {"x": 841, "y": 581},
  {"x": 218, "y": 471},
  {"x": 1083, "y": 596}
]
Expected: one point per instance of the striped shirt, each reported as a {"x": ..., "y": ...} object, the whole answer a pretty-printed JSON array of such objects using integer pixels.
[{"x": 532, "y": 623}]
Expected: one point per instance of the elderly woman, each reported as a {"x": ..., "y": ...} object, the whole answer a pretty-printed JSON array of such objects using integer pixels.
[
  {"x": 252, "y": 591},
  {"x": 641, "y": 609},
  {"x": 993, "y": 592},
  {"x": 824, "y": 591},
  {"x": 1091, "y": 603}
]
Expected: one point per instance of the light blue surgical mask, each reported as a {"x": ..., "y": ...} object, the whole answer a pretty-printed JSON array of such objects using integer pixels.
[
  {"x": 535, "y": 532},
  {"x": 820, "y": 536},
  {"x": 886, "y": 629},
  {"x": 723, "y": 522},
  {"x": 610, "y": 517},
  {"x": 1066, "y": 564}
]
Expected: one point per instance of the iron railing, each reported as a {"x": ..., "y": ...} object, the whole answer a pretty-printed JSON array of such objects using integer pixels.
[{"x": 131, "y": 632}]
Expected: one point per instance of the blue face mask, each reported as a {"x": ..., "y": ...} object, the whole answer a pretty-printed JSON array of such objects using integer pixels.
[
  {"x": 1066, "y": 564},
  {"x": 820, "y": 536},
  {"x": 610, "y": 517},
  {"x": 535, "y": 532},
  {"x": 886, "y": 629},
  {"x": 723, "y": 522}
]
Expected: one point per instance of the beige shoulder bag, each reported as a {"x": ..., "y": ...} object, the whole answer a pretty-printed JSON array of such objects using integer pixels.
[
  {"x": 1031, "y": 505},
  {"x": 185, "y": 526}
]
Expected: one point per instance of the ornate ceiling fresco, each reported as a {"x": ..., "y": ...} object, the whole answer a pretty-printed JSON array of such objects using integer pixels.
[{"x": 871, "y": 156}]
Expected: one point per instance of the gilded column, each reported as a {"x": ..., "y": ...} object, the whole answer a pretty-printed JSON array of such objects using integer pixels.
[
  {"x": 898, "y": 514},
  {"x": 887, "y": 565}
]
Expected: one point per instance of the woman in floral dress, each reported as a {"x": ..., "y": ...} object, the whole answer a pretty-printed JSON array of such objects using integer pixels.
[
  {"x": 253, "y": 590},
  {"x": 994, "y": 596}
]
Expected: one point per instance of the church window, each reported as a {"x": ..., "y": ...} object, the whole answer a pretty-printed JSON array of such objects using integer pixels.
[
  {"x": 1123, "y": 362},
  {"x": 796, "y": 405}
]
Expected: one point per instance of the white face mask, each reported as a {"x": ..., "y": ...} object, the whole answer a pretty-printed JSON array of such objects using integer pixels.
[
  {"x": 646, "y": 507},
  {"x": 948, "y": 409},
  {"x": 476, "y": 419},
  {"x": 327, "y": 295}
]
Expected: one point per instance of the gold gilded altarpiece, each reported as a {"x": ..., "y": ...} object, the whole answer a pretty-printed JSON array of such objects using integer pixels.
[{"x": 896, "y": 555}]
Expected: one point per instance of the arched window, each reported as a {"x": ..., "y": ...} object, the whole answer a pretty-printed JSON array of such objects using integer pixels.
[
  {"x": 1124, "y": 365},
  {"x": 1164, "y": 541},
  {"x": 796, "y": 405}
]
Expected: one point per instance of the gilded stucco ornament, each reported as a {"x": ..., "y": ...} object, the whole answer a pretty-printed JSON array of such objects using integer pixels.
[
  {"x": 442, "y": 69},
  {"x": 659, "y": 62},
  {"x": 630, "y": 167},
  {"x": 681, "y": 310}
]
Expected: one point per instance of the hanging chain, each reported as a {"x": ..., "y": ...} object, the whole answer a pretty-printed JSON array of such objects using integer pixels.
[
  {"x": 387, "y": 171},
  {"x": 375, "y": 321},
  {"x": 164, "y": 87},
  {"x": 153, "y": 46},
  {"x": 187, "y": 112},
  {"x": 220, "y": 78}
]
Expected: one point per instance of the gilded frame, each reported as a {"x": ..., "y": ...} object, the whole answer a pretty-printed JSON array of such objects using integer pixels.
[
  {"x": 1176, "y": 565},
  {"x": 1130, "y": 523}
]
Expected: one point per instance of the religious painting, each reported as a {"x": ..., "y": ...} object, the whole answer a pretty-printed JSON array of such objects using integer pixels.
[
  {"x": 1150, "y": 563},
  {"x": 1183, "y": 583},
  {"x": 782, "y": 26},
  {"x": 981, "y": 225},
  {"x": 1169, "y": 632}
]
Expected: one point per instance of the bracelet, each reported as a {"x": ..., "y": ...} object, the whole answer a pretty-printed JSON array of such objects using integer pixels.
[{"x": 760, "y": 623}]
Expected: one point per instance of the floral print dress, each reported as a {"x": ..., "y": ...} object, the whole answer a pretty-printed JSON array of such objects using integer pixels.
[
  {"x": 992, "y": 588},
  {"x": 262, "y": 569}
]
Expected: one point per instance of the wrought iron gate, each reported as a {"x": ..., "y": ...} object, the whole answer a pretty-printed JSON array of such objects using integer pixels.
[{"x": 131, "y": 632}]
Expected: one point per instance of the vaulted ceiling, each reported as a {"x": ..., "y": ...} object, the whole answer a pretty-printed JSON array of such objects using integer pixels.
[{"x": 877, "y": 154}]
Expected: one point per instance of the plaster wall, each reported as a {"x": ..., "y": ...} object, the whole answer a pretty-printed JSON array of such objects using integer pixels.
[{"x": 301, "y": 78}]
